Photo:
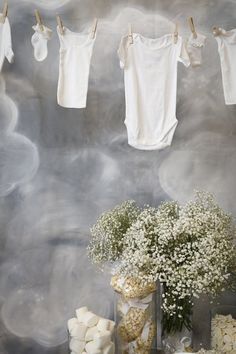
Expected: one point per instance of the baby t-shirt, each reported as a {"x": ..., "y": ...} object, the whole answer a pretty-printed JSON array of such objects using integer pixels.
[
  {"x": 75, "y": 57},
  {"x": 227, "y": 50},
  {"x": 150, "y": 75},
  {"x": 5, "y": 43}
]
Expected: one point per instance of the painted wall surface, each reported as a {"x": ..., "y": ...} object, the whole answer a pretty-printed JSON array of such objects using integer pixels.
[{"x": 60, "y": 168}]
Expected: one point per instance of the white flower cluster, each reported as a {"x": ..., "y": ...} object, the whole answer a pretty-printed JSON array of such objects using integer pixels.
[
  {"x": 189, "y": 249},
  {"x": 108, "y": 233}
]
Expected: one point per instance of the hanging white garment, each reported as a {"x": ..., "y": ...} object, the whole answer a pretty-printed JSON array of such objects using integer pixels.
[
  {"x": 150, "y": 74},
  {"x": 194, "y": 48},
  {"x": 40, "y": 40},
  {"x": 5, "y": 43},
  {"x": 75, "y": 57},
  {"x": 227, "y": 50}
]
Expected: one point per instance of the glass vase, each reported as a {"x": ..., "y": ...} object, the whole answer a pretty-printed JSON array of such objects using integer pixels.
[
  {"x": 179, "y": 342},
  {"x": 135, "y": 316}
]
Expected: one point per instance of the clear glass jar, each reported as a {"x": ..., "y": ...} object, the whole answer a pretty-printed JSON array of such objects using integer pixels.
[
  {"x": 223, "y": 329},
  {"x": 135, "y": 318}
]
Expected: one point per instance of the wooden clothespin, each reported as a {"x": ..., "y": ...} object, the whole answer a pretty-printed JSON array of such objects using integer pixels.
[
  {"x": 130, "y": 34},
  {"x": 192, "y": 27},
  {"x": 216, "y": 31},
  {"x": 176, "y": 34},
  {"x": 94, "y": 28},
  {"x": 60, "y": 25},
  {"x": 39, "y": 20},
  {"x": 4, "y": 12}
]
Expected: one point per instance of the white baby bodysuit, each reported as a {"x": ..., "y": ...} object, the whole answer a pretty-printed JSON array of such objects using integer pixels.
[
  {"x": 75, "y": 57},
  {"x": 194, "y": 48},
  {"x": 5, "y": 43},
  {"x": 227, "y": 51},
  {"x": 150, "y": 74},
  {"x": 40, "y": 40}
]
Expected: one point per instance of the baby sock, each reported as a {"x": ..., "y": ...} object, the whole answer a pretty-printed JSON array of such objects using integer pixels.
[
  {"x": 39, "y": 41},
  {"x": 194, "y": 49}
]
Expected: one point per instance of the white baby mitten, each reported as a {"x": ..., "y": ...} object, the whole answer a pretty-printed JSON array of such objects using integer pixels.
[
  {"x": 39, "y": 41},
  {"x": 194, "y": 49}
]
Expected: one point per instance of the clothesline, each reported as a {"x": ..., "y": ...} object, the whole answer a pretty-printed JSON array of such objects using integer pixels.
[
  {"x": 150, "y": 73},
  {"x": 215, "y": 30}
]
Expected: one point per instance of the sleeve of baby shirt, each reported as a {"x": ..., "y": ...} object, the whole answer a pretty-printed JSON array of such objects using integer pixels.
[
  {"x": 7, "y": 41},
  {"x": 183, "y": 54},
  {"x": 122, "y": 51}
]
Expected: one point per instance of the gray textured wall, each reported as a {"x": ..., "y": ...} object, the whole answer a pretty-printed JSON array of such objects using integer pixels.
[{"x": 60, "y": 168}]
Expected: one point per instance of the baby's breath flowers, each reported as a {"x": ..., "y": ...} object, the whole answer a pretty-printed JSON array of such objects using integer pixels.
[
  {"x": 108, "y": 233},
  {"x": 189, "y": 249}
]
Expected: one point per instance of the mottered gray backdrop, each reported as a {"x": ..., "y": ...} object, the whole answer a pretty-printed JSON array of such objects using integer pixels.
[{"x": 60, "y": 168}]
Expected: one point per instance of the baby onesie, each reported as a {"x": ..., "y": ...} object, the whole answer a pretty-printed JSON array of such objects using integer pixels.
[
  {"x": 5, "y": 43},
  {"x": 227, "y": 51},
  {"x": 75, "y": 57},
  {"x": 40, "y": 40},
  {"x": 150, "y": 75},
  {"x": 194, "y": 48}
]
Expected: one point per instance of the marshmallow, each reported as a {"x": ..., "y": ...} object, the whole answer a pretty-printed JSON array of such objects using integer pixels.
[
  {"x": 102, "y": 338},
  {"x": 77, "y": 345},
  {"x": 90, "y": 333},
  {"x": 79, "y": 331},
  {"x": 103, "y": 324},
  {"x": 72, "y": 323},
  {"x": 80, "y": 312},
  {"x": 89, "y": 319},
  {"x": 109, "y": 349},
  {"x": 74, "y": 330},
  {"x": 92, "y": 348}
]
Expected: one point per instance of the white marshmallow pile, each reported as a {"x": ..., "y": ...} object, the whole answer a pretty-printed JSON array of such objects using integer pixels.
[
  {"x": 90, "y": 333},
  {"x": 224, "y": 334}
]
